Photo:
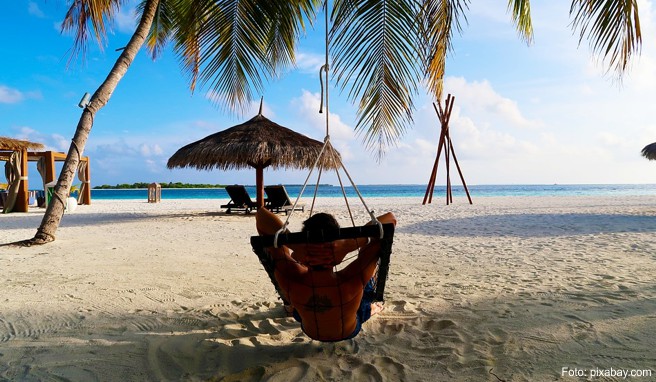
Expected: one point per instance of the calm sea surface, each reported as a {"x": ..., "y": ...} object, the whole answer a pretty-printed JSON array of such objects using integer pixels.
[{"x": 410, "y": 191}]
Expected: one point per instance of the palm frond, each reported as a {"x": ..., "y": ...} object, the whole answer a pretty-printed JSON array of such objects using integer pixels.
[
  {"x": 188, "y": 17},
  {"x": 521, "y": 15},
  {"x": 233, "y": 46},
  {"x": 287, "y": 24},
  {"x": 612, "y": 27},
  {"x": 80, "y": 14},
  {"x": 437, "y": 20},
  {"x": 375, "y": 48},
  {"x": 235, "y": 61},
  {"x": 161, "y": 28}
]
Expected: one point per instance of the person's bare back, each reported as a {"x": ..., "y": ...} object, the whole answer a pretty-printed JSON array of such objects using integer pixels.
[{"x": 331, "y": 306}]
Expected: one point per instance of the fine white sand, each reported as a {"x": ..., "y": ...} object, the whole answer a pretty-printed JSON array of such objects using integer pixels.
[{"x": 512, "y": 289}]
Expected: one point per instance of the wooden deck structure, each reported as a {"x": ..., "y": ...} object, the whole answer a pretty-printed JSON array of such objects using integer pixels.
[{"x": 9, "y": 146}]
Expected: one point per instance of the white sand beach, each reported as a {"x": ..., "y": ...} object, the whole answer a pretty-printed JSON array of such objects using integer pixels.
[{"x": 512, "y": 289}]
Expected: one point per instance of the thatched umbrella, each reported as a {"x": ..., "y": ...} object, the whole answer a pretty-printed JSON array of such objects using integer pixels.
[
  {"x": 257, "y": 143},
  {"x": 649, "y": 151}
]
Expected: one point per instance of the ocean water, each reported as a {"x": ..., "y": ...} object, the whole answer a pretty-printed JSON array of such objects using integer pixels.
[{"x": 400, "y": 190}]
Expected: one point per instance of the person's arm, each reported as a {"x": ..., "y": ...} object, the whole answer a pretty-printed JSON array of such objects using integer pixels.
[
  {"x": 365, "y": 265},
  {"x": 344, "y": 246},
  {"x": 268, "y": 224}
]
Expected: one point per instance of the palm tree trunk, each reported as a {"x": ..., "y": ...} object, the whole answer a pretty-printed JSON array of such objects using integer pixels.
[{"x": 55, "y": 210}]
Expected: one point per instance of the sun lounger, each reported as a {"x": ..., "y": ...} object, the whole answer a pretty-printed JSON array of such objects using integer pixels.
[
  {"x": 239, "y": 199},
  {"x": 278, "y": 200}
]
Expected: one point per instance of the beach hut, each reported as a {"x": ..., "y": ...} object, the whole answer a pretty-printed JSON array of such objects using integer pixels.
[
  {"x": 17, "y": 153},
  {"x": 14, "y": 153},
  {"x": 258, "y": 143},
  {"x": 649, "y": 151}
]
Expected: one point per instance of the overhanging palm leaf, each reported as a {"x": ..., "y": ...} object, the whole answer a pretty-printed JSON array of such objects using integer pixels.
[
  {"x": 81, "y": 13},
  {"x": 613, "y": 27},
  {"x": 286, "y": 25},
  {"x": 161, "y": 28},
  {"x": 375, "y": 44},
  {"x": 521, "y": 15},
  {"x": 437, "y": 19},
  {"x": 235, "y": 45}
]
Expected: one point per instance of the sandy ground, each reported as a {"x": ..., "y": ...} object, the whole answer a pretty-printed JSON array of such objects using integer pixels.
[{"x": 512, "y": 289}]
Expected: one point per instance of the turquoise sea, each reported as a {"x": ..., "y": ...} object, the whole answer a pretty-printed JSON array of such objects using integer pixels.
[{"x": 401, "y": 190}]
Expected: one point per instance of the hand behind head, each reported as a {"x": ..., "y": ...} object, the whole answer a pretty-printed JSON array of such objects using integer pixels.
[{"x": 320, "y": 254}]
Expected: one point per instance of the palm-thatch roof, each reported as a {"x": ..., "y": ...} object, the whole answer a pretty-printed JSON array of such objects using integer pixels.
[
  {"x": 251, "y": 143},
  {"x": 12, "y": 144},
  {"x": 257, "y": 143},
  {"x": 649, "y": 151}
]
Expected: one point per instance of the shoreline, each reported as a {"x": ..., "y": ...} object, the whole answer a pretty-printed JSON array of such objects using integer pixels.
[
  {"x": 404, "y": 191},
  {"x": 132, "y": 291}
]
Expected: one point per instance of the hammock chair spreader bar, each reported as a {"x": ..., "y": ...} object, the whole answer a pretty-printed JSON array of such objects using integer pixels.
[{"x": 324, "y": 235}]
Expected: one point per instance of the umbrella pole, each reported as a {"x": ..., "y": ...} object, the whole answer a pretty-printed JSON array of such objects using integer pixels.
[
  {"x": 259, "y": 185},
  {"x": 259, "y": 180}
]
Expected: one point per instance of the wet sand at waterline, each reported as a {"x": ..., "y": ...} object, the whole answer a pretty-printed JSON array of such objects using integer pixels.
[{"x": 510, "y": 288}]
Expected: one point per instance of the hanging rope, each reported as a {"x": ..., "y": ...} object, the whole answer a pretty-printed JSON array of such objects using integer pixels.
[{"x": 328, "y": 149}]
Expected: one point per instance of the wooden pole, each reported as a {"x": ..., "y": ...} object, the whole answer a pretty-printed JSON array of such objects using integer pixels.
[
  {"x": 259, "y": 183},
  {"x": 23, "y": 197},
  {"x": 431, "y": 182},
  {"x": 445, "y": 143},
  {"x": 448, "y": 106},
  {"x": 50, "y": 167},
  {"x": 462, "y": 178},
  {"x": 259, "y": 180},
  {"x": 447, "y": 157},
  {"x": 86, "y": 191}
]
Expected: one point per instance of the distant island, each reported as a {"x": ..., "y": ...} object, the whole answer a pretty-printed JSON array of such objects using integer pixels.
[{"x": 164, "y": 185}]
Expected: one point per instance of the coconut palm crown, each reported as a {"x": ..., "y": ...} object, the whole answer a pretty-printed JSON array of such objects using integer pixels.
[{"x": 382, "y": 51}]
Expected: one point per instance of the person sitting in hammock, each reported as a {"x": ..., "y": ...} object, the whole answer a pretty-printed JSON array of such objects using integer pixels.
[{"x": 330, "y": 305}]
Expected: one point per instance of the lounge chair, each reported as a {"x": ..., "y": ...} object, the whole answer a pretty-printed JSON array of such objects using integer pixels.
[
  {"x": 278, "y": 200},
  {"x": 239, "y": 199}
]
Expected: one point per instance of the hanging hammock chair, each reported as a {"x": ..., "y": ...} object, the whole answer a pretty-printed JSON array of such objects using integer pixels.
[
  {"x": 261, "y": 243},
  {"x": 383, "y": 233}
]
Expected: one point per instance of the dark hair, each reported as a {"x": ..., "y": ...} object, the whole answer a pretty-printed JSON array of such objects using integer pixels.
[{"x": 320, "y": 221}]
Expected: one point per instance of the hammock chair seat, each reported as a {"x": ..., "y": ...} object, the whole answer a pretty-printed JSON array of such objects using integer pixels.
[{"x": 261, "y": 243}]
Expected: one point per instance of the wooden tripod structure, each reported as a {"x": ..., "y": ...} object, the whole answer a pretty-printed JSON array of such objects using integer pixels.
[{"x": 444, "y": 115}]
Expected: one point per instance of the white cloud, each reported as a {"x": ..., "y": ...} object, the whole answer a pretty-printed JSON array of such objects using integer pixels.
[
  {"x": 611, "y": 140},
  {"x": 34, "y": 10},
  {"x": 205, "y": 125},
  {"x": 9, "y": 95},
  {"x": 481, "y": 98},
  {"x": 150, "y": 150},
  {"x": 126, "y": 20},
  {"x": 309, "y": 63},
  {"x": 52, "y": 142},
  {"x": 57, "y": 26},
  {"x": 307, "y": 109}
]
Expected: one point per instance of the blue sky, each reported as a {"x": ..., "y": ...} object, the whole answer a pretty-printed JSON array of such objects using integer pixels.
[{"x": 540, "y": 114}]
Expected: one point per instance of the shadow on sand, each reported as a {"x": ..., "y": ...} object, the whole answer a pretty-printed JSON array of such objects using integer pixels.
[
  {"x": 528, "y": 336},
  {"x": 534, "y": 225}
]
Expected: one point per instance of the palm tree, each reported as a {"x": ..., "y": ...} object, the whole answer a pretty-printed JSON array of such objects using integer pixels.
[
  {"x": 255, "y": 38},
  {"x": 76, "y": 18},
  {"x": 382, "y": 52}
]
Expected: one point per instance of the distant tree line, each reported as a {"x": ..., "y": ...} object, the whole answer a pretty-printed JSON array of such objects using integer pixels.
[{"x": 164, "y": 185}]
